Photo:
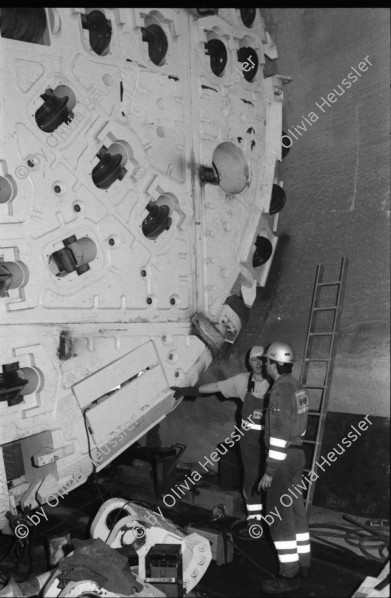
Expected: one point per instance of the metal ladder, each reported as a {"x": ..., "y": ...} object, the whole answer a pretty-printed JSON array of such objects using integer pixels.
[{"x": 327, "y": 358}]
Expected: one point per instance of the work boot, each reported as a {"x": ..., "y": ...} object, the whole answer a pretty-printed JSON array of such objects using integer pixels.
[
  {"x": 280, "y": 584},
  {"x": 251, "y": 529}
]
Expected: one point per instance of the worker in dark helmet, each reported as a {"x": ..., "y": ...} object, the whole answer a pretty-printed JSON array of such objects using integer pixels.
[
  {"x": 252, "y": 389},
  {"x": 286, "y": 422}
]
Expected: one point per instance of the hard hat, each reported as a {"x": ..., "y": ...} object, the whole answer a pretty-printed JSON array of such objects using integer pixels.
[
  {"x": 280, "y": 352},
  {"x": 256, "y": 351}
]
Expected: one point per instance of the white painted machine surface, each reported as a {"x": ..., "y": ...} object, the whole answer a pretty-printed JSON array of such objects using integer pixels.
[
  {"x": 121, "y": 524},
  {"x": 139, "y": 195},
  {"x": 139, "y": 527}
]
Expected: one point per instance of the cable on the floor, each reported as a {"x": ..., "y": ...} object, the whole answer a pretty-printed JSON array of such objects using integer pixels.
[
  {"x": 15, "y": 558},
  {"x": 89, "y": 452},
  {"x": 259, "y": 587},
  {"x": 20, "y": 547},
  {"x": 353, "y": 537},
  {"x": 250, "y": 559}
]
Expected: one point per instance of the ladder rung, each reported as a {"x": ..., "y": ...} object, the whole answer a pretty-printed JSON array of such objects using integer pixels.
[
  {"x": 313, "y": 359},
  {"x": 321, "y": 333},
  {"x": 312, "y": 387},
  {"x": 323, "y": 388}
]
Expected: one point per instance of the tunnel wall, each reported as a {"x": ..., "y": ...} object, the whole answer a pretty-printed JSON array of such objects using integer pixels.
[{"x": 338, "y": 205}]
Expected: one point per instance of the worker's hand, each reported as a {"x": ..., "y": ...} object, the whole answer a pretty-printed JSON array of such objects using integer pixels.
[
  {"x": 266, "y": 482},
  {"x": 185, "y": 391}
]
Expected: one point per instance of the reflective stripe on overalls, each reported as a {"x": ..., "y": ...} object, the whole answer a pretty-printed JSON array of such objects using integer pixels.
[
  {"x": 290, "y": 531},
  {"x": 286, "y": 421},
  {"x": 253, "y": 453}
]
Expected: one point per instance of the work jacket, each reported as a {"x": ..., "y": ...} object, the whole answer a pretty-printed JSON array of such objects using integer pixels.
[{"x": 286, "y": 420}]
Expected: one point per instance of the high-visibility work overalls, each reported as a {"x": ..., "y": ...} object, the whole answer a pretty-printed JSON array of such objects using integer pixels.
[
  {"x": 252, "y": 449},
  {"x": 286, "y": 422}
]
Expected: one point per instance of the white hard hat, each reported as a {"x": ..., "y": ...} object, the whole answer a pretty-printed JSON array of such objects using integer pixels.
[
  {"x": 280, "y": 352},
  {"x": 256, "y": 351}
]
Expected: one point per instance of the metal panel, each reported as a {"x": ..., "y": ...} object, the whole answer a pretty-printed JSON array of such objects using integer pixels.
[
  {"x": 13, "y": 461},
  {"x": 130, "y": 403},
  {"x": 114, "y": 374},
  {"x": 95, "y": 297}
]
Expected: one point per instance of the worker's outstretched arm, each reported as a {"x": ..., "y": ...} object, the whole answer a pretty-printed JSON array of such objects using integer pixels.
[
  {"x": 195, "y": 391},
  {"x": 210, "y": 388}
]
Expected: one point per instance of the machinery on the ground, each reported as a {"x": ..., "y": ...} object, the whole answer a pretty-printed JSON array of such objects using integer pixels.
[
  {"x": 170, "y": 563},
  {"x": 139, "y": 198},
  {"x": 134, "y": 525}
]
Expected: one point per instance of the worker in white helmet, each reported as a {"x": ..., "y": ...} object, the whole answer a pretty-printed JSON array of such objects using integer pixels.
[
  {"x": 252, "y": 389},
  {"x": 286, "y": 422}
]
